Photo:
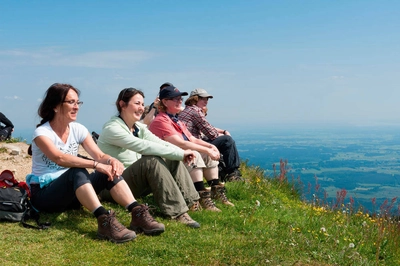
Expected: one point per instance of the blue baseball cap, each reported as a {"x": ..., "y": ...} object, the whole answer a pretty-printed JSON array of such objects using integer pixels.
[{"x": 171, "y": 92}]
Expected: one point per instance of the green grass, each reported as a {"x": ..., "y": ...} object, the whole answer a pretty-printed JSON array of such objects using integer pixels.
[
  {"x": 13, "y": 140},
  {"x": 269, "y": 225}
]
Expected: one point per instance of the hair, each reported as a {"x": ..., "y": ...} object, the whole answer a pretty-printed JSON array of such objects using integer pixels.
[
  {"x": 162, "y": 107},
  {"x": 125, "y": 95},
  {"x": 54, "y": 96},
  {"x": 192, "y": 100}
]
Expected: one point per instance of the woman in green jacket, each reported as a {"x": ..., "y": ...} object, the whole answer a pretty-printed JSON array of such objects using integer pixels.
[{"x": 151, "y": 165}]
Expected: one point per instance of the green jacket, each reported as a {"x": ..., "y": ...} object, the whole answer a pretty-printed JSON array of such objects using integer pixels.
[{"x": 119, "y": 142}]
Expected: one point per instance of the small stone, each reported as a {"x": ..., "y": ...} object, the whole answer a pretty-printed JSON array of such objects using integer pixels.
[{"x": 16, "y": 152}]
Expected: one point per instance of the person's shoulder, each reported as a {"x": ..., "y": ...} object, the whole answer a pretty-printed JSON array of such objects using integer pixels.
[
  {"x": 161, "y": 117},
  {"x": 76, "y": 125},
  {"x": 44, "y": 129},
  {"x": 112, "y": 121},
  {"x": 113, "y": 125}
]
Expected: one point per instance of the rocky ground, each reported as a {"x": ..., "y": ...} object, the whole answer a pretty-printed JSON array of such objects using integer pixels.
[{"x": 14, "y": 157}]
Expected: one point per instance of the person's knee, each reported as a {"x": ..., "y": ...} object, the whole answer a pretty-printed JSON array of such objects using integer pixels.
[
  {"x": 79, "y": 177},
  {"x": 114, "y": 182}
]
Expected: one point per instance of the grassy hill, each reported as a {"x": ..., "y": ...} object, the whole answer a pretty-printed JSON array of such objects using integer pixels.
[{"x": 269, "y": 225}]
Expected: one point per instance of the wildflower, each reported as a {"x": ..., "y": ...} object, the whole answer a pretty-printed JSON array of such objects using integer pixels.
[
  {"x": 323, "y": 230},
  {"x": 351, "y": 245},
  {"x": 364, "y": 223},
  {"x": 258, "y": 203}
]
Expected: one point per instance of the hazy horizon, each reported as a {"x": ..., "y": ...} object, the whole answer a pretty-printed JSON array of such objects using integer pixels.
[{"x": 265, "y": 62}]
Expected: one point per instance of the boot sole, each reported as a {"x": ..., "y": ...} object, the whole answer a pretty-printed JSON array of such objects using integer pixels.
[
  {"x": 153, "y": 232},
  {"x": 103, "y": 237},
  {"x": 193, "y": 225}
]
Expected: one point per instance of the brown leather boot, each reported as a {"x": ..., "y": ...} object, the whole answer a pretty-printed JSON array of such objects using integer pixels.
[
  {"x": 195, "y": 207},
  {"x": 218, "y": 193},
  {"x": 187, "y": 220},
  {"x": 206, "y": 202},
  {"x": 142, "y": 221},
  {"x": 109, "y": 228}
]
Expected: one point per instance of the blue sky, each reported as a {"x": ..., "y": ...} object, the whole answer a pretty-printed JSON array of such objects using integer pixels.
[{"x": 265, "y": 62}]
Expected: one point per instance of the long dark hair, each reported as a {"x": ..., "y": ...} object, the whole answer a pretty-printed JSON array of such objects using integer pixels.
[
  {"x": 54, "y": 95},
  {"x": 125, "y": 95}
]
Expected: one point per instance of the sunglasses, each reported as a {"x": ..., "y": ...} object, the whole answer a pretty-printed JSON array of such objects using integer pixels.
[{"x": 176, "y": 99}]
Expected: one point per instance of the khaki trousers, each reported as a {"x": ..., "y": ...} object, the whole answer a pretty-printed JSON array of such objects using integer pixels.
[{"x": 169, "y": 181}]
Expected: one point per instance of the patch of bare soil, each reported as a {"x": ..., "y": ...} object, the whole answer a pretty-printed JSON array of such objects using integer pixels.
[{"x": 15, "y": 157}]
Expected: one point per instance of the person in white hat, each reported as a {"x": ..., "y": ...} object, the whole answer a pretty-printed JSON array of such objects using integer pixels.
[{"x": 195, "y": 120}]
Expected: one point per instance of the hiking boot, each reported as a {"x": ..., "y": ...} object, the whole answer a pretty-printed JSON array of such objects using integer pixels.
[
  {"x": 142, "y": 221},
  {"x": 234, "y": 176},
  {"x": 109, "y": 228},
  {"x": 218, "y": 193},
  {"x": 206, "y": 202},
  {"x": 187, "y": 220},
  {"x": 196, "y": 207}
]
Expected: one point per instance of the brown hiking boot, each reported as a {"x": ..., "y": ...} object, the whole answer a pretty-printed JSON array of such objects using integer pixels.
[
  {"x": 142, "y": 221},
  {"x": 187, "y": 220},
  {"x": 206, "y": 202},
  {"x": 218, "y": 193},
  {"x": 234, "y": 176},
  {"x": 196, "y": 207},
  {"x": 109, "y": 228}
]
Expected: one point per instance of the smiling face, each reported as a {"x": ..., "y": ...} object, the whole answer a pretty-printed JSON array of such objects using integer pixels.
[
  {"x": 173, "y": 105},
  {"x": 68, "y": 110},
  {"x": 133, "y": 110}
]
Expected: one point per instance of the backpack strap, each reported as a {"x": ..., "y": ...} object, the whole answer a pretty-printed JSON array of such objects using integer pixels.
[{"x": 31, "y": 213}]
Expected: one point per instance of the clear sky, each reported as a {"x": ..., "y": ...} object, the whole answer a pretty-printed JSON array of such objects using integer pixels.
[{"x": 265, "y": 62}]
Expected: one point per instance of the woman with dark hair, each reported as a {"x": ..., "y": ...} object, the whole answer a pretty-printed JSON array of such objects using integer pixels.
[
  {"x": 59, "y": 179},
  {"x": 167, "y": 126},
  {"x": 195, "y": 119},
  {"x": 152, "y": 165}
]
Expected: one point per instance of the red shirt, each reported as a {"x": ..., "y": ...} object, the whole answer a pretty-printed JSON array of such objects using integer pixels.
[{"x": 163, "y": 126}]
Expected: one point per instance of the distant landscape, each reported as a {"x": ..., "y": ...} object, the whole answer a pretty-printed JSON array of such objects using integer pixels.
[{"x": 365, "y": 161}]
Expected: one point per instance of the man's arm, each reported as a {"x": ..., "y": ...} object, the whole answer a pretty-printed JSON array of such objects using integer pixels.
[{"x": 5, "y": 121}]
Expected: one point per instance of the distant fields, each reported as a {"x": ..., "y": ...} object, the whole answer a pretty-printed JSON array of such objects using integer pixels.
[{"x": 365, "y": 161}]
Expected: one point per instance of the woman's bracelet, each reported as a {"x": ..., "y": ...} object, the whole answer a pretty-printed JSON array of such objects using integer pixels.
[
  {"x": 95, "y": 164},
  {"x": 109, "y": 160}
]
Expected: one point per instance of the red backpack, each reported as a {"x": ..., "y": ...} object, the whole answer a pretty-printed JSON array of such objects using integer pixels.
[{"x": 7, "y": 179}]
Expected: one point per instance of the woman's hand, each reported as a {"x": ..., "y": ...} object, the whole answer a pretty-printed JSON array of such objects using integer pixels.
[
  {"x": 213, "y": 152},
  {"x": 112, "y": 170},
  {"x": 188, "y": 157},
  {"x": 156, "y": 102}
]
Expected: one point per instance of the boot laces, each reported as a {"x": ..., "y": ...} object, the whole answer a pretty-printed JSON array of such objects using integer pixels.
[
  {"x": 220, "y": 191},
  {"x": 113, "y": 222},
  {"x": 145, "y": 214}
]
